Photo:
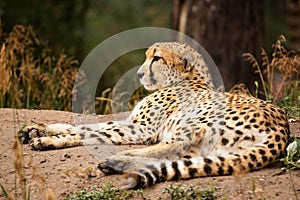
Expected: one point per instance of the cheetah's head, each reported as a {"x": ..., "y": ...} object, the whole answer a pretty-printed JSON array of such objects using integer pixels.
[{"x": 169, "y": 63}]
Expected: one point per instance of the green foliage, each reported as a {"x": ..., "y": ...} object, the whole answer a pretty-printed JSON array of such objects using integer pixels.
[
  {"x": 5, "y": 193},
  {"x": 183, "y": 192},
  {"x": 32, "y": 75},
  {"x": 61, "y": 22},
  {"x": 108, "y": 191},
  {"x": 291, "y": 100},
  {"x": 9, "y": 197},
  {"x": 106, "y": 18}
]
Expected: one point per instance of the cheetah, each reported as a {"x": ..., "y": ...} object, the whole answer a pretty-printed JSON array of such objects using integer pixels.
[{"x": 192, "y": 128}]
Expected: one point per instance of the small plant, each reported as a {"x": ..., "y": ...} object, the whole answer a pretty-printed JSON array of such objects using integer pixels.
[
  {"x": 108, "y": 191},
  {"x": 292, "y": 159},
  {"x": 279, "y": 76},
  {"x": 5, "y": 193},
  {"x": 183, "y": 192}
]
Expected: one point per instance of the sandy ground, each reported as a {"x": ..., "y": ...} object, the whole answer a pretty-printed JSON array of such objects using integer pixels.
[{"x": 69, "y": 170}]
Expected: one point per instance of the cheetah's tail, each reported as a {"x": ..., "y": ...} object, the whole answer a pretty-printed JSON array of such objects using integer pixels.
[{"x": 196, "y": 167}]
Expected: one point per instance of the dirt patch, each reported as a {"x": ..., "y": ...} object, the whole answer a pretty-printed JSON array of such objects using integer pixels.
[{"x": 69, "y": 170}]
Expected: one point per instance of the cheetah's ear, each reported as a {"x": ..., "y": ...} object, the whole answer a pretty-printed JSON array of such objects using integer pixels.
[{"x": 189, "y": 62}]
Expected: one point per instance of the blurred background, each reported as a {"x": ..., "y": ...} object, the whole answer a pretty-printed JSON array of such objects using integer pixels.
[{"x": 70, "y": 29}]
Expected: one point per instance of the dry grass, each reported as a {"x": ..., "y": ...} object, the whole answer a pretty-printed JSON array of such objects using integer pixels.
[
  {"x": 21, "y": 190},
  {"x": 279, "y": 75},
  {"x": 32, "y": 75},
  {"x": 19, "y": 168}
]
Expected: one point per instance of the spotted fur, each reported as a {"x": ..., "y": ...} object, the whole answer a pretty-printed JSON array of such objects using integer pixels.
[{"x": 193, "y": 129}]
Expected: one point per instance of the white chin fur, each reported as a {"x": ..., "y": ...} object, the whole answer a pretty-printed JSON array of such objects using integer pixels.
[{"x": 149, "y": 87}]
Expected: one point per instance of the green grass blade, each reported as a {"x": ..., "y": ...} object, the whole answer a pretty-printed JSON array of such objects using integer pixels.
[{"x": 4, "y": 191}]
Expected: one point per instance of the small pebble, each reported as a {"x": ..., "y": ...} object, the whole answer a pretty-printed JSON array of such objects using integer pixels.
[{"x": 67, "y": 155}]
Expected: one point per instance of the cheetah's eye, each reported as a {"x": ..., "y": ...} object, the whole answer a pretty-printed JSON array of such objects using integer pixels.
[{"x": 156, "y": 58}]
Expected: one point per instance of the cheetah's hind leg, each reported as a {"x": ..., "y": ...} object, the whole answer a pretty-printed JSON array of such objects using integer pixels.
[{"x": 119, "y": 164}]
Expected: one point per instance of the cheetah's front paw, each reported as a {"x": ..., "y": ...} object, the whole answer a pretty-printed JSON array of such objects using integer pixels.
[{"x": 27, "y": 133}]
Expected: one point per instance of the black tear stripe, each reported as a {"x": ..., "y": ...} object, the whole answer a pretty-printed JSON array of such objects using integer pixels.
[{"x": 155, "y": 58}]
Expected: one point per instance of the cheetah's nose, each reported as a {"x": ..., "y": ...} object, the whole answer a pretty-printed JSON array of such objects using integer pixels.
[{"x": 140, "y": 75}]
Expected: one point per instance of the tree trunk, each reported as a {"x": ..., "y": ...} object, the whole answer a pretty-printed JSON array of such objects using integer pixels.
[
  {"x": 293, "y": 21},
  {"x": 226, "y": 29}
]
